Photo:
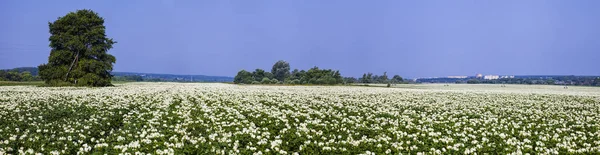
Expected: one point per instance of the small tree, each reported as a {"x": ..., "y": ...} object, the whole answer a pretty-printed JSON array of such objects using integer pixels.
[
  {"x": 369, "y": 78},
  {"x": 26, "y": 76},
  {"x": 383, "y": 78},
  {"x": 397, "y": 79},
  {"x": 274, "y": 81},
  {"x": 265, "y": 80}
]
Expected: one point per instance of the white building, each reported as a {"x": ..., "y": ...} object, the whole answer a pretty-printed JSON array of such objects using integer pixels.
[{"x": 491, "y": 77}]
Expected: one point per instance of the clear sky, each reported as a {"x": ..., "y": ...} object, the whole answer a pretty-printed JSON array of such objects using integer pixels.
[{"x": 424, "y": 38}]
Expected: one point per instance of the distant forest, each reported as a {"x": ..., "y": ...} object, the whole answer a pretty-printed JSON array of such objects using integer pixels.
[
  {"x": 31, "y": 74},
  {"x": 537, "y": 80}
]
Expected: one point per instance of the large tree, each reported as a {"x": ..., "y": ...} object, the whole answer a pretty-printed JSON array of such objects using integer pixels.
[
  {"x": 281, "y": 70},
  {"x": 79, "y": 51}
]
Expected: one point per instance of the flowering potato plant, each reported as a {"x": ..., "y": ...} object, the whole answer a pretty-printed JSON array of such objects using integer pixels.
[{"x": 178, "y": 118}]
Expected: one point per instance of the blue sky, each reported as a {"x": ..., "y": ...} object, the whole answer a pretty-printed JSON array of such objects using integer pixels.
[{"x": 425, "y": 38}]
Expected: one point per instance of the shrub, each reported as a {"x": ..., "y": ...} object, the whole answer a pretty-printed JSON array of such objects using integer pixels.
[{"x": 265, "y": 80}]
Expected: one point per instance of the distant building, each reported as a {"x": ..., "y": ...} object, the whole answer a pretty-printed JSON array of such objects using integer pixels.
[
  {"x": 491, "y": 77},
  {"x": 479, "y": 76},
  {"x": 457, "y": 77},
  {"x": 507, "y": 77}
]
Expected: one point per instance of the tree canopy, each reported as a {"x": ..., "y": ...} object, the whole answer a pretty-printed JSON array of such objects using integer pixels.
[
  {"x": 397, "y": 79},
  {"x": 281, "y": 70},
  {"x": 79, "y": 51},
  {"x": 243, "y": 76}
]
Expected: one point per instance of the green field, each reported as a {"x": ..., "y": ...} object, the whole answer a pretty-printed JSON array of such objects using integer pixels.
[
  {"x": 17, "y": 83},
  {"x": 213, "y": 118}
]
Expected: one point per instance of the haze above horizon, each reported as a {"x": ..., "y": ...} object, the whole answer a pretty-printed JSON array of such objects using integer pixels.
[{"x": 408, "y": 38}]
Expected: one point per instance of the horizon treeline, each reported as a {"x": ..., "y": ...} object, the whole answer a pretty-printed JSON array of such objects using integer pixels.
[
  {"x": 19, "y": 74},
  {"x": 371, "y": 78},
  {"x": 280, "y": 74}
]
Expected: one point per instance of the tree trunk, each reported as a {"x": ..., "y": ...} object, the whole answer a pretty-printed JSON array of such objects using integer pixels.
[{"x": 74, "y": 60}]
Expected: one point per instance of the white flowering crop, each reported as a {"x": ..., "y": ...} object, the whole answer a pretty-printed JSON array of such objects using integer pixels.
[{"x": 177, "y": 118}]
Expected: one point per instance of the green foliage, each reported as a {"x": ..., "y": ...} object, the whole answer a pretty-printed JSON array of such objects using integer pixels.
[
  {"x": 265, "y": 81},
  {"x": 370, "y": 78},
  {"x": 397, "y": 79},
  {"x": 32, "y": 70},
  {"x": 20, "y": 83},
  {"x": 17, "y": 75},
  {"x": 367, "y": 78},
  {"x": 243, "y": 76},
  {"x": 383, "y": 78},
  {"x": 321, "y": 76},
  {"x": 281, "y": 70},
  {"x": 349, "y": 80},
  {"x": 259, "y": 74},
  {"x": 312, "y": 76},
  {"x": 26, "y": 76},
  {"x": 473, "y": 81},
  {"x": 79, "y": 51},
  {"x": 91, "y": 79},
  {"x": 296, "y": 81},
  {"x": 274, "y": 81}
]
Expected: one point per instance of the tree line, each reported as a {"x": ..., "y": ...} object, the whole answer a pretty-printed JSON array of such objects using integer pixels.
[
  {"x": 280, "y": 74},
  {"x": 530, "y": 80},
  {"x": 371, "y": 78},
  {"x": 16, "y": 75},
  {"x": 566, "y": 80}
]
